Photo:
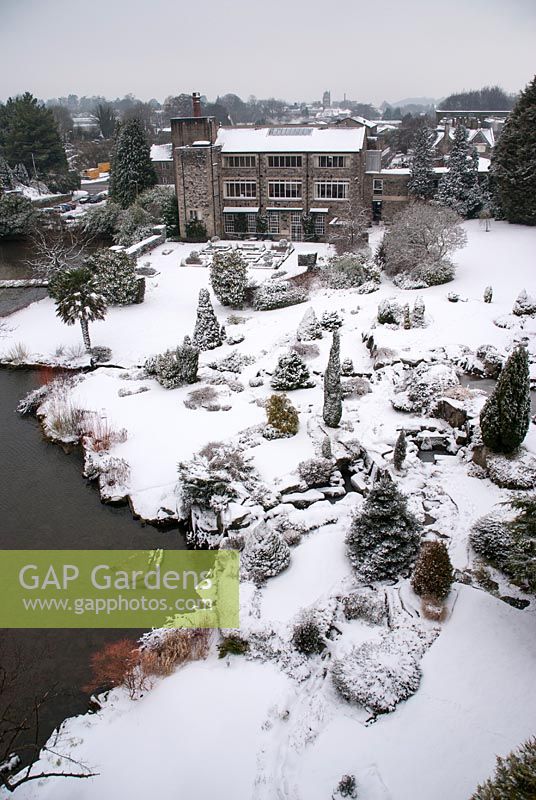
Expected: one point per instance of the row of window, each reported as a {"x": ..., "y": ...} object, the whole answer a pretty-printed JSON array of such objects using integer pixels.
[
  {"x": 296, "y": 224},
  {"x": 285, "y": 161},
  {"x": 285, "y": 190}
]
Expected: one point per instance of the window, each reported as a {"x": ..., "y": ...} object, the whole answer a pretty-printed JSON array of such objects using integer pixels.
[
  {"x": 239, "y": 161},
  {"x": 193, "y": 215},
  {"x": 228, "y": 223},
  {"x": 284, "y": 161},
  {"x": 273, "y": 222},
  {"x": 320, "y": 224},
  {"x": 331, "y": 161},
  {"x": 252, "y": 223},
  {"x": 240, "y": 189},
  {"x": 296, "y": 226},
  {"x": 284, "y": 190},
  {"x": 377, "y": 186},
  {"x": 331, "y": 190}
]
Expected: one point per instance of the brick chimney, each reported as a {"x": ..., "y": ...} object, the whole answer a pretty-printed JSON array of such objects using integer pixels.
[{"x": 196, "y": 104}]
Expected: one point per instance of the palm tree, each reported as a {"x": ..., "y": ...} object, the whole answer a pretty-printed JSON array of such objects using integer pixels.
[{"x": 78, "y": 299}]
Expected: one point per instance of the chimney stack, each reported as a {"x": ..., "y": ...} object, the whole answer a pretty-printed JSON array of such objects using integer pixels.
[{"x": 196, "y": 104}]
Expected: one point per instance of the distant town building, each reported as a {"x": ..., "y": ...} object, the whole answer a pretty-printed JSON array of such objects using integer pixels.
[
  {"x": 326, "y": 99},
  {"x": 162, "y": 158}
]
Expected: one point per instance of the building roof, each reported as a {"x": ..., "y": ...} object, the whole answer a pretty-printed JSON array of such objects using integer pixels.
[
  {"x": 287, "y": 139},
  {"x": 472, "y": 133},
  {"x": 161, "y": 152}
]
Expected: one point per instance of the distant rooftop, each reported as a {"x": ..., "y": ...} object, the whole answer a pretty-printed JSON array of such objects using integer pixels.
[
  {"x": 291, "y": 140},
  {"x": 161, "y": 152}
]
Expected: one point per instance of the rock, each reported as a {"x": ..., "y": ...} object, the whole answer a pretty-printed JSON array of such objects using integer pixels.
[
  {"x": 332, "y": 491},
  {"x": 304, "y": 499},
  {"x": 452, "y": 411},
  {"x": 516, "y": 602},
  {"x": 480, "y": 456},
  {"x": 359, "y": 484},
  {"x": 290, "y": 483},
  {"x": 282, "y": 508},
  {"x": 236, "y": 515},
  {"x": 492, "y": 361}
]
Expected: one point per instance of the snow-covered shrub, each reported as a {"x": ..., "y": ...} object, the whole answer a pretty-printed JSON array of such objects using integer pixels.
[
  {"x": 488, "y": 294},
  {"x": 100, "y": 354},
  {"x": 116, "y": 277},
  {"x": 399, "y": 454},
  {"x": 525, "y": 305},
  {"x": 512, "y": 472},
  {"x": 175, "y": 367},
  {"x": 435, "y": 273},
  {"x": 232, "y": 645},
  {"x": 491, "y": 538},
  {"x": 347, "y": 367},
  {"x": 266, "y": 554},
  {"x": 365, "y": 604},
  {"x": 282, "y": 417},
  {"x": 308, "y": 636},
  {"x": 133, "y": 225},
  {"x": 378, "y": 675},
  {"x": 390, "y": 312},
  {"x": 417, "y": 316},
  {"x": 347, "y": 787},
  {"x": 422, "y": 386},
  {"x": 101, "y": 222},
  {"x": 234, "y": 362},
  {"x": 256, "y": 381},
  {"x": 277, "y": 294},
  {"x": 432, "y": 576},
  {"x": 345, "y": 271},
  {"x": 515, "y": 776},
  {"x": 99, "y": 434},
  {"x": 492, "y": 361},
  {"x": 291, "y": 532},
  {"x": 383, "y": 539},
  {"x": 309, "y": 327},
  {"x": 407, "y": 317},
  {"x": 63, "y": 421},
  {"x": 163, "y": 649},
  {"x": 228, "y": 276},
  {"x": 505, "y": 418},
  {"x": 326, "y": 450},
  {"x": 305, "y": 349},
  {"x": 201, "y": 398},
  {"x": 208, "y": 333},
  {"x": 331, "y": 320},
  {"x": 316, "y": 471},
  {"x": 291, "y": 373}
]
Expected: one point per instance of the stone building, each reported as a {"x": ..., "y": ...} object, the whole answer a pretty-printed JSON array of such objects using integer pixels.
[{"x": 162, "y": 158}]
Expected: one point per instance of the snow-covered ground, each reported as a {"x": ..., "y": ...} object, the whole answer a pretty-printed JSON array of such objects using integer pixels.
[{"x": 275, "y": 730}]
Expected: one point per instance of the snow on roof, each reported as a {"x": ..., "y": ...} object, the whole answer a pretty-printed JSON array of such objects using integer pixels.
[
  {"x": 161, "y": 152},
  {"x": 291, "y": 140}
]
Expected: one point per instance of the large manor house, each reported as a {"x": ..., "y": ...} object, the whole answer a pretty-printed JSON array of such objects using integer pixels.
[{"x": 243, "y": 181}]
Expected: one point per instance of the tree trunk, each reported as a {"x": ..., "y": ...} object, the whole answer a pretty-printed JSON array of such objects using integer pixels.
[{"x": 85, "y": 334}]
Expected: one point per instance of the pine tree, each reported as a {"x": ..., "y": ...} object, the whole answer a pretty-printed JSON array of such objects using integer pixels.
[
  {"x": 21, "y": 174},
  {"x": 207, "y": 331},
  {"x": 132, "y": 170},
  {"x": 399, "y": 454},
  {"x": 228, "y": 278},
  {"x": 115, "y": 274},
  {"x": 505, "y": 418},
  {"x": 30, "y": 135},
  {"x": 6, "y": 175},
  {"x": 309, "y": 327},
  {"x": 513, "y": 163},
  {"x": 266, "y": 554},
  {"x": 459, "y": 188},
  {"x": 421, "y": 181},
  {"x": 407, "y": 317},
  {"x": 332, "y": 411},
  {"x": 432, "y": 576},
  {"x": 78, "y": 299},
  {"x": 515, "y": 776},
  {"x": 291, "y": 373},
  {"x": 383, "y": 539}
]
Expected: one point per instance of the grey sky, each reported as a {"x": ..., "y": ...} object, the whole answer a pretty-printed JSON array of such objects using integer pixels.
[{"x": 292, "y": 49}]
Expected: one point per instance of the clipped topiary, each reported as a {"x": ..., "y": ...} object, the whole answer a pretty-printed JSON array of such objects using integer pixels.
[
  {"x": 266, "y": 554},
  {"x": 307, "y": 635},
  {"x": 208, "y": 333},
  {"x": 291, "y": 373},
  {"x": 432, "y": 576},
  {"x": 228, "y": 277}
]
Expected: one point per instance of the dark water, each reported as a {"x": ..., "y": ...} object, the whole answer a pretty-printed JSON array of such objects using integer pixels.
[{"x": 487, "y": 385}]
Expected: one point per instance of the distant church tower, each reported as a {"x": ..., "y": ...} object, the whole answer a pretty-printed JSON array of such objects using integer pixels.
[{"x": 326, "y": 100}]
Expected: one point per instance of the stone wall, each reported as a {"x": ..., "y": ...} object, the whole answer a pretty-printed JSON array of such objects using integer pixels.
[
  {"x": 394, "y": 196},
  {"x": 197, "y": 171}
]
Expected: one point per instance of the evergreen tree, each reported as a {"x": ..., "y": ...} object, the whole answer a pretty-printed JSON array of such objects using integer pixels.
[
  {"x": 78, "y": 299},
  {"x": 228, "y": 278},
  {"x": 175, "y": 367},
  {"x": 17, "y": 216},
  {"x": 384, "y": 538},
  {"x": 309, "y": 327},
  {"x": 521, "y": 557},
  {"x": 515, "y": 776},
  {"x": 115, "y": 274},
  {"x": 399, "y": 454},
  {"x": 21, "y": 174},
  {"x": 132, "y": 170},
  {"x": 29, "y": 134},
  {"x": 459, "y": 188},
  {"x": 291, "y": 373},
  {"x": 332, "y": 411},
  {"x": 432, "y": 576},
  {"x": 421, "y": 180},
  {"x": 505, "y": 418},
  {"x": 513, "y": 163},
  {"x": 6, "y": 175},
  {"x": 407, "y": 317},
  {"x": 281, "y": 415},
  {"x": 417, "y": 317},
  {"x": 106, "y": 117},
  {"x": 208, "y": 331},
  {"x": 266, "y": 554},
  {"x": 488, "y": 294}
]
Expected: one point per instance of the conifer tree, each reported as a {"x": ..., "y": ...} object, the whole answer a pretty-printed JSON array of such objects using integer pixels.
[
  {"x": 417, "y": 318},
  {"x": 505, "y": 418},
  {"x": 132, "y": 170},
  {"x": 488, "y": 294},
  {"x": 291, "y": 373},
  {"x": 6, "y": 175},
  {"x": 513, "y": 163},
  {"x": 433, "y": 573},
  {"x": 515, "y": 776},
  {"x": 309, "y": 327},
  {"x": 332, "y": 411},
  {"x": 383, "y": 539},
  {"x": 266, "y": 554},
  {"x": 421, "y": 180},
  {"x": 399, "y": 454},
  {"x": 407, "y": 317},
  {"x": 459, "y": 188},
  {"x": 21, "y": 174},
  {"x": 228, "y": 278},
  {"x": 207, "y": 331},
  {"x": 78, "y": 299},
  {"x": 115, "y": 274},
  {"x": 281, "y": 415},
  {"x": 30, "y": 135}
]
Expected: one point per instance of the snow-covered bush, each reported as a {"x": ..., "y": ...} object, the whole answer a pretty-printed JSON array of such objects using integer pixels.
[
  {"x": 435, "y": 273},
  {"x": 208, "y": 333},
  {"x": 201, "y": 398},
  {"x": 345, "y": 271},
  {"x": 423, "y": 385},
  {"x": 492, "y": 361},
  {"x": 365, "y": 604},
  {"x": 525, "y": 305},
  {"x": 291, "y": 373},
  {"x": 515, "y": 776},
  {"x": 308, "y": 636},
  {"x": 282, "y": 418},
  {"x": 390, "y": 312},
  {"x": 228, "y": 276},
  {"x": 256, "y": 381},
  {"x": 266, "y": 554},
  {"x": 232, "y": 645},
  {"x": 432, "y": 576},
  {"x": 488, "y": 294},
  {"x": 347, "y": 787},
  {"x": 101, "y": 222},
  {"x": 331, "y": 320},
  {"x": 277, "y": 294},
  {"x": 491, "y": 538},
  {"x": 378, "y": 675},
  {"x": 163, "y": 649},
  {"x": 133, "y": 225},
  {"x": 305, "y": 349},
  {"x": 347, "y": 367},
  {"x": 316, "y": 471},
  {"x": 175, "y": 367},
  {"x": 309, "y": 327},
  {"x": 516, "y": 471},
  {"x": 505, "y": 418},
  {"x": 234, "y": 362},
  {"x": 291, "y": 532},
  {"x": 115, "y": 274},
  {"x": 418, "y": 314},
  {"x": 399, "y": 454}
]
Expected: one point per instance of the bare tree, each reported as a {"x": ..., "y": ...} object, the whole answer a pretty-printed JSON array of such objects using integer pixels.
[
  {"x": 56, "y": 248},
  {"x": 347, "y": 232}
]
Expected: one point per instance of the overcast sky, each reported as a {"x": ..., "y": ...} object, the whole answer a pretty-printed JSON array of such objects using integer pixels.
[{"x": 292, "y": 49}]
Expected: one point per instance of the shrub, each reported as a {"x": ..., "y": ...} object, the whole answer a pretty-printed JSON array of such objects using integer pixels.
[
  {"x": 305, "y": 349},
  {"x": 196, "y": 231},
  {"x": 488, "y": 294},
  {"x": 277, "y": 294},
  {"x": 175, "y": 367},
  {"x": 399, "y": 455},
  {"x": 491, "y": 538},
  {"x": 291, "y": 373},
  {"x": 101, "y": 222},
  {"x": 115, "y": 274},
  {"x": 99, "y": 433},
  {"x": 64, "y": 421},
  {"x": 233, "y": 645},
  {"x": 265, "y": 554},
  {"x": 17, "y": 215},
  {"x": 347, "y": 786},
  {"x": 435, "y": 273},
  {"x": 316, "y": 471},
  {"x": 345, "y": 271},
  {"x": 163, "y": 650},
  {"x": 389, "y": 312},
  {"x": 433, "y": 574},
  {"x": 17, "y": 354},
  {"x": 116, "y": 664},
  {"x": 281, "y": 415},
  {"x": 332, "y": 408},
  {"x": 234, "y": 362},
  {"x": 309, "y": 327},
  {"x": 515, "y": 776},
  {"x": 133, "y": 225},
  {"x": 347, "y": 367},
  {"x": 201, "y": 397},
  {"x": 505, "y": 418},
  {"x": 307, "y": 635},
  {"x": 365, "y": 604},
  {"x": 524, "y": 305},
  {"x": 208, "y": 333},
  {"x": 228, "y": 275},
  {"x": 331, "y": 320}
]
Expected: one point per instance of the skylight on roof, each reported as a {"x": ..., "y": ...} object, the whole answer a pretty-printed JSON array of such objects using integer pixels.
[{"x": 290, "y": 131}]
